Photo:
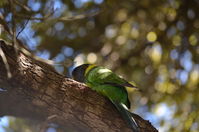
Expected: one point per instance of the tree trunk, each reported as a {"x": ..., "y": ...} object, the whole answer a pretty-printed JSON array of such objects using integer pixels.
[{"x": 37, "y": 91}]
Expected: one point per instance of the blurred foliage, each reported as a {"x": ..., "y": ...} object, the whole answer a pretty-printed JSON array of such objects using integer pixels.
[
  {"x": 22, "y": 125},
  {"x": 154, "y": 43}
]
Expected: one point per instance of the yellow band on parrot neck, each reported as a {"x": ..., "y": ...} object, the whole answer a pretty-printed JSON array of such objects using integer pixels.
[{"x": 89, "y": 68}]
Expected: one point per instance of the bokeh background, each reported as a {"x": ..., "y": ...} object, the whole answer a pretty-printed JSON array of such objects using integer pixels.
[{"x": 153, "y": 43}]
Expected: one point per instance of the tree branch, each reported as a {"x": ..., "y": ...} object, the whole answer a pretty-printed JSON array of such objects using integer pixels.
[{"x": 38, "y": 92}]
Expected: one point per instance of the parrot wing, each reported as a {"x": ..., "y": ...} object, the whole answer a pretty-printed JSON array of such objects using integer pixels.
[
  {"x": 102, "y": 75},
  {"x": 127, "y": 116},
  {"x": 115, "y": 80},
  {"x": 127, "y": 84}
]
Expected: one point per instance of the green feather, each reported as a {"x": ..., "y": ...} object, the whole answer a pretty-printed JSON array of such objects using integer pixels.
[
  {"x": 104, "y": 81},
  {"x": 107, "y": 76},
  {"x": 107, "y": 83}
]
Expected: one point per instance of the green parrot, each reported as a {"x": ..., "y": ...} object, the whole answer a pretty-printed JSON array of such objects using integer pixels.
[{"x": 107, "y": 83}]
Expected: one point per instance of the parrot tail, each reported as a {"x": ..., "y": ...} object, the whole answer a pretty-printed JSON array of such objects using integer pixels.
[{"x": 127, "y": 116}]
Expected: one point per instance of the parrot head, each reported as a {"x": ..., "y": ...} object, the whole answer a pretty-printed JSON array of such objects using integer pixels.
[{"x": 79, "y": 72}]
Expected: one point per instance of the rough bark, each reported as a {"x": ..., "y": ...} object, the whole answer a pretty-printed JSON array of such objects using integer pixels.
[{"x": 38, "y": 92}]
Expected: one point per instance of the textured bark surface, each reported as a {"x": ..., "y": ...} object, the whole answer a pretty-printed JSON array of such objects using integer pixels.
[{"x": 38, "y": 92}]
